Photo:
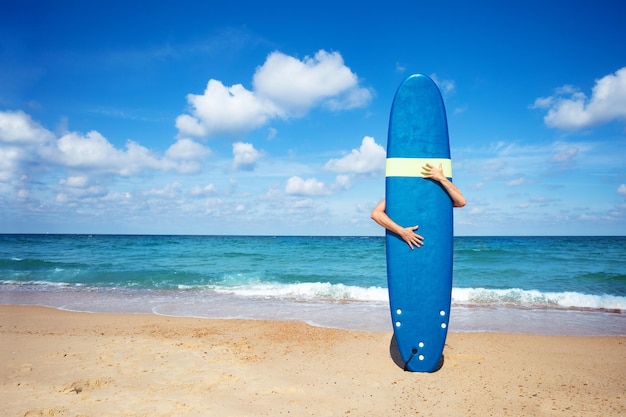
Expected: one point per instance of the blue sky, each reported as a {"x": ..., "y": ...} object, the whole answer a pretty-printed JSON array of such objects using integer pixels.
[{"x": 271, "y": 117}]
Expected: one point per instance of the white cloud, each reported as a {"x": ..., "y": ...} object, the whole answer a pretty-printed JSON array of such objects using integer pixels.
[
  {"x": 369, "y": 159},
  {"x": 621, "y": 190},
  {"x": 244, "y": 156},
  {"x": 543, "y": 102},
  {"x": 187, "y": 149},
  {"x": 311, "y": 187},
  {"x": 77, "y": 189},
  {"x": 186, "y": 156},
  {"x": 25, "y": 143},
  {"x": 571, "y": 109},
  {"x": 198, "y": 190},
  {"x": 301, "y": 187},
  {"x": 354, "y": 98},
  {"x": 343, "y": 182},
  {"x": 20, "y": 140},
  {"x": 19, "y": 128},
  {"x": 171, "y": 190},
  {"x": 95, "y": 153},
  {"x": 75, "y": 181},
  {"x": 297, "y": 85},
  {"x": 10, "y": 158},
  {"x": 118, "y": 197},
  {"x": 284, "y": 87},
  {"x": 222, "y": 109}
]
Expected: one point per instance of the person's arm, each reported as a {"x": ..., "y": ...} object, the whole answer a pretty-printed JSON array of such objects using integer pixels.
[
  {"x": 406, "y": 233},
  {"x": 429, "y": 171}
]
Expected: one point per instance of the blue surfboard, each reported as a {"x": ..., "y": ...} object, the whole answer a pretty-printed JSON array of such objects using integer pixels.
[{"x": 419, "y": 280}]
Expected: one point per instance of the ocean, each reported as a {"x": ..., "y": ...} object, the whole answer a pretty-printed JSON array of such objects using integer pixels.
[{"x": 537, "y": 285}]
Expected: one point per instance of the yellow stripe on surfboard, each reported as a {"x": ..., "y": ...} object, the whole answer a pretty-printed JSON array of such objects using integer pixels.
[{"x": 412, "y": 167}]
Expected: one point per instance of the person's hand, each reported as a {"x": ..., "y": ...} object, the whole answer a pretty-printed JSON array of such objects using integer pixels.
[
  {"x": 429, "y": 171},
  {"x": 410, "y": 237},
  {"x": 436, "y": 174}
]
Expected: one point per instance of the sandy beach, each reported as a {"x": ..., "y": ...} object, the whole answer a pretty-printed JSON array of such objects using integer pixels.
[{"x": 57, "y": 363}]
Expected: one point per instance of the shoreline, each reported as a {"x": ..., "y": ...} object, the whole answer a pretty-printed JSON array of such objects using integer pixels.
[
  {"x": 81, "y": 364},
  {"x": 351, "y": 315}
]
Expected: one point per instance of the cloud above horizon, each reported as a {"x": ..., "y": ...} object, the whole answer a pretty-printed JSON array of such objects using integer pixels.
[
  {"x": 284, "y": 87},
  {"x": 39, "y": 168},
  {"x": 570, "y": 108},
  {"x": 369, "y": 159}
]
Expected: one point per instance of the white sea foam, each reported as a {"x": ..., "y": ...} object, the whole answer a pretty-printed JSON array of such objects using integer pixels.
[
  {"x": 37, "y": 283},
  {"x": 513, "y": 297},
  {"x": 328, "y": 292},
  {"x": 536, "y": 299},
  {"x": 308, "y": 291}
]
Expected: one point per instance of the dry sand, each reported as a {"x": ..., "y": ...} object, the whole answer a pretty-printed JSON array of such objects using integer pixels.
[{"x": 57, "y": 363}]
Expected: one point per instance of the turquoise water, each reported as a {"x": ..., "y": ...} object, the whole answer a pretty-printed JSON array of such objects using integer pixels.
[{"x": 547, "y": 285}]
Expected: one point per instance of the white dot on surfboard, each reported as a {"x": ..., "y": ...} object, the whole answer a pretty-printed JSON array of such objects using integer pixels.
[
  {"x": 442, "y": 313},
  {"x": 398, "y": 324},
  {"x": 420, "y": 344},
  {"x": 399, "y": 311},
  {"x": 420, "y": 357},
  {"x": 443, "y": 325}
]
